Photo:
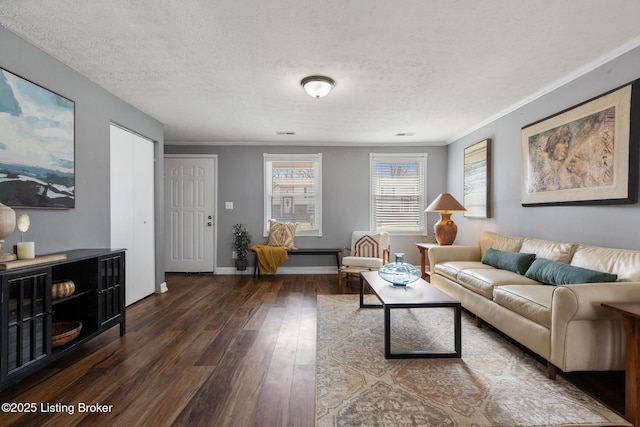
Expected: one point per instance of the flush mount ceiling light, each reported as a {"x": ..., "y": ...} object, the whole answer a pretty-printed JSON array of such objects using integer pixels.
[{"x": 317, "y": 86}]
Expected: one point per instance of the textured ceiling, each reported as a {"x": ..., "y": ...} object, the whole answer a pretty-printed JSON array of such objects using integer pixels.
[{"x": 229, "y": 70}]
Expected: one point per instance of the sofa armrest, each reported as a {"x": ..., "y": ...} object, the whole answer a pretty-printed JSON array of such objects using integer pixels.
[
  {"x": 583, "y": 301},
  {"x": 452, "y": 253},
  {"x": 585, "y": 335}
]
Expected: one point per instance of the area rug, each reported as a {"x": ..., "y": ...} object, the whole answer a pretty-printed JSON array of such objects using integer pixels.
[{"x": 493, "y": 384}]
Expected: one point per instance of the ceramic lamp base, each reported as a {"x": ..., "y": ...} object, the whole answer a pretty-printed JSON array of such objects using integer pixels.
[{"x": 445, "y": 230}]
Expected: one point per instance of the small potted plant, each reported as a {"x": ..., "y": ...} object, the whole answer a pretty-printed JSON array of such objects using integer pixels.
[{"x": 241, "y": 242}]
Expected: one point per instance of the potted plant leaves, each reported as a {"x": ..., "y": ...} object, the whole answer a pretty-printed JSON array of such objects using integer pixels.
[{"x": 241, "y": 242}]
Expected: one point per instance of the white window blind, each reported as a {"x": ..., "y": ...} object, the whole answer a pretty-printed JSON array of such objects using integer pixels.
[
  {"x": 293, "y": 191},
  {"x": 398, "y": 192}
]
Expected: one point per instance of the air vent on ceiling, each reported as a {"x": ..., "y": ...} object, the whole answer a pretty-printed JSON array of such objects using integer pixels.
[
  {"x": 406, "y": 134},
  {"x": 285, "y": 132}
]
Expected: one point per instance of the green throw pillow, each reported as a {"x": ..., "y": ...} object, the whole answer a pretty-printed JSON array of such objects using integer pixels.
[
  {"x": 559, "y": 273},
  {"x": 513, "y": 261}
]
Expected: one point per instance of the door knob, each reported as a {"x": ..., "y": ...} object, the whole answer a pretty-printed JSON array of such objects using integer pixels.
[{"x": 209, "y": 224}]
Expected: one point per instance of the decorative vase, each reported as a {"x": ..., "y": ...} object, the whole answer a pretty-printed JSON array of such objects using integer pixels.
[
  {"x": 7, "y": 226},
  {"x": 399, "y": 273}
]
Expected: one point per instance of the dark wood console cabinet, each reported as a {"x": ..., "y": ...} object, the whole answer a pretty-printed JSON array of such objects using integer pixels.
[{"x": 28, "y": 310}]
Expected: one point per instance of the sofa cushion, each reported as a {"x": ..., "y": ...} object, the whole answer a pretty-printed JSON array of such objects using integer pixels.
[
  {"x": 558, "y": 273},
  {"x": 517, "y": 262},
  {"x": 482, "y": 280},
  {"x": 502, "y": 242},
  {"x": 623, "y": 262},
  {"x": 451, "y": 269},
  {"x": 554, "y": 251},
  {"x": 530, "y": 301}
]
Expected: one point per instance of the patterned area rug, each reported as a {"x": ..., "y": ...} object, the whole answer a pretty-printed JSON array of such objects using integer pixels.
[{"x": 494, "y": 384}]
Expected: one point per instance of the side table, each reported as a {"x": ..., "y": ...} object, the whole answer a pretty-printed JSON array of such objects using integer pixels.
[
  {"x": 630, "y": 312},
  {"x": 424, "y": 260}
]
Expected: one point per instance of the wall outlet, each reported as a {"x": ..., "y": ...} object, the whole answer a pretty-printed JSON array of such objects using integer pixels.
[
  {"x": 234, "y": 255},
  {"x": 228, "y": 205}
]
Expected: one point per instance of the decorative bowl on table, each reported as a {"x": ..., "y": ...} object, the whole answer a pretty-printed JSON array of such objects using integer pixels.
[
  {"x": 64, "y": 332},
  {"x": 399, "y": 273},
  {"x": 62, "y": 288}
]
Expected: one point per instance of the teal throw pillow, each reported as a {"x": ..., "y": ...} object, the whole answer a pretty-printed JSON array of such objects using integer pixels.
[
  {"x": 559, "y": 273},
  {"x": 513, "y": 261}
]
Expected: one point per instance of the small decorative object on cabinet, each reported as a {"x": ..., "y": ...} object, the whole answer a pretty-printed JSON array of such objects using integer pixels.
[
  {"x": 89, "y": 288},
  {"x": 62, "y": 288},
  {"x": 26, "y": 250},
  {"x": 64, "y": 332},
  {"x": 7, "y": 225},
  {"x": 399, "y": 273},
  {"x": 24, "y": 222}
]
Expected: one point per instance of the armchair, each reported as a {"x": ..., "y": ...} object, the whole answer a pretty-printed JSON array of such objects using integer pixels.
[{"x": 369, "y": 251}]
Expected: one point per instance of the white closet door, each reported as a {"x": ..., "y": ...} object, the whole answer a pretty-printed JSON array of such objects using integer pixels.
[{"x": 132, "y": 209}]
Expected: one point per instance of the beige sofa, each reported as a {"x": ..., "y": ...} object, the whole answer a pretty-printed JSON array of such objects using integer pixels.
[{"x": 564, "y": 324}]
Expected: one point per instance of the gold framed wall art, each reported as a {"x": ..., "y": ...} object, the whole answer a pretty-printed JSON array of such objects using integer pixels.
[{"x": 587, "y": 154}]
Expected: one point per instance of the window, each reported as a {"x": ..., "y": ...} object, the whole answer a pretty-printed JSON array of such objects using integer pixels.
[
  {"x": 397, "y": 192},
  {"x": 293, "y": 191}
]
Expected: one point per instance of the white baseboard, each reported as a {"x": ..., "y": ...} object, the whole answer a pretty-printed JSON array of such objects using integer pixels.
[
  {"x": 231, "y": 271},
  {"x": 281, "y": 270}
]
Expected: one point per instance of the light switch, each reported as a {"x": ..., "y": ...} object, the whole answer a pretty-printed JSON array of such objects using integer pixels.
[{"x": 228, "y": 205}]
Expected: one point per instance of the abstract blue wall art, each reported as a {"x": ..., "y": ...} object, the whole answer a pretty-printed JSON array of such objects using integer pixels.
[{"x": 37, "y": 145}]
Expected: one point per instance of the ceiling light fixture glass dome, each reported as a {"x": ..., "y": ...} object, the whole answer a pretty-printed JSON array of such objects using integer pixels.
[{"x": 317, "y": 86}]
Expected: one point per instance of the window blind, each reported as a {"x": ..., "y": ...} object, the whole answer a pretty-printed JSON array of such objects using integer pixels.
[
  {"x": 398, "y": 192},
  {"x": 293, "y": 191}
]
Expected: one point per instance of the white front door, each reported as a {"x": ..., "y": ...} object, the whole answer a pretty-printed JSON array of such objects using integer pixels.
[
  {"x": 189, "y": 198},
  {"x": 132, "y": 209}
]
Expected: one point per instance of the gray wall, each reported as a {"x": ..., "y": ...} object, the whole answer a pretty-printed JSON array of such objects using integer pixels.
[
  {"x": 345, "y": 194},
  {"x": 613, "y": 226},
  {"x": 88, "y": 225},
  {"x": 345, "y": 171}
]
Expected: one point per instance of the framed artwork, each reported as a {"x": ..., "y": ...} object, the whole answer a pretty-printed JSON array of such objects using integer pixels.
[
  {"x": 587, "y": 154},
  {"x": 477, "y": 168},
  {"x": 37, "y": 145}
]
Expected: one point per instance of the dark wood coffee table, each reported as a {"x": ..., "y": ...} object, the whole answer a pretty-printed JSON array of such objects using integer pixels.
[{"x": 418, "y": 294}]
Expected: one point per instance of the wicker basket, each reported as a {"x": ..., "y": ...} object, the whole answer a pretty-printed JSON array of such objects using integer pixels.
[
  {"x": 64, "y": 332},
  {"x": 62, "y": 288}
]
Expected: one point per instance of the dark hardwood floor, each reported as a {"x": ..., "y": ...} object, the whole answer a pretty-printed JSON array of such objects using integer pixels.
[{"x": 214, "y": 351}]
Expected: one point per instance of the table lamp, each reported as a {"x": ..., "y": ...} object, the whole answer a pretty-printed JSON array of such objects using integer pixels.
[{"x": 445, "y": 229}]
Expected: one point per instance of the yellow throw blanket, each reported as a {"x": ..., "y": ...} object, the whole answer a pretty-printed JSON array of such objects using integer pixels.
[{"x": 270, "y": 257}]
